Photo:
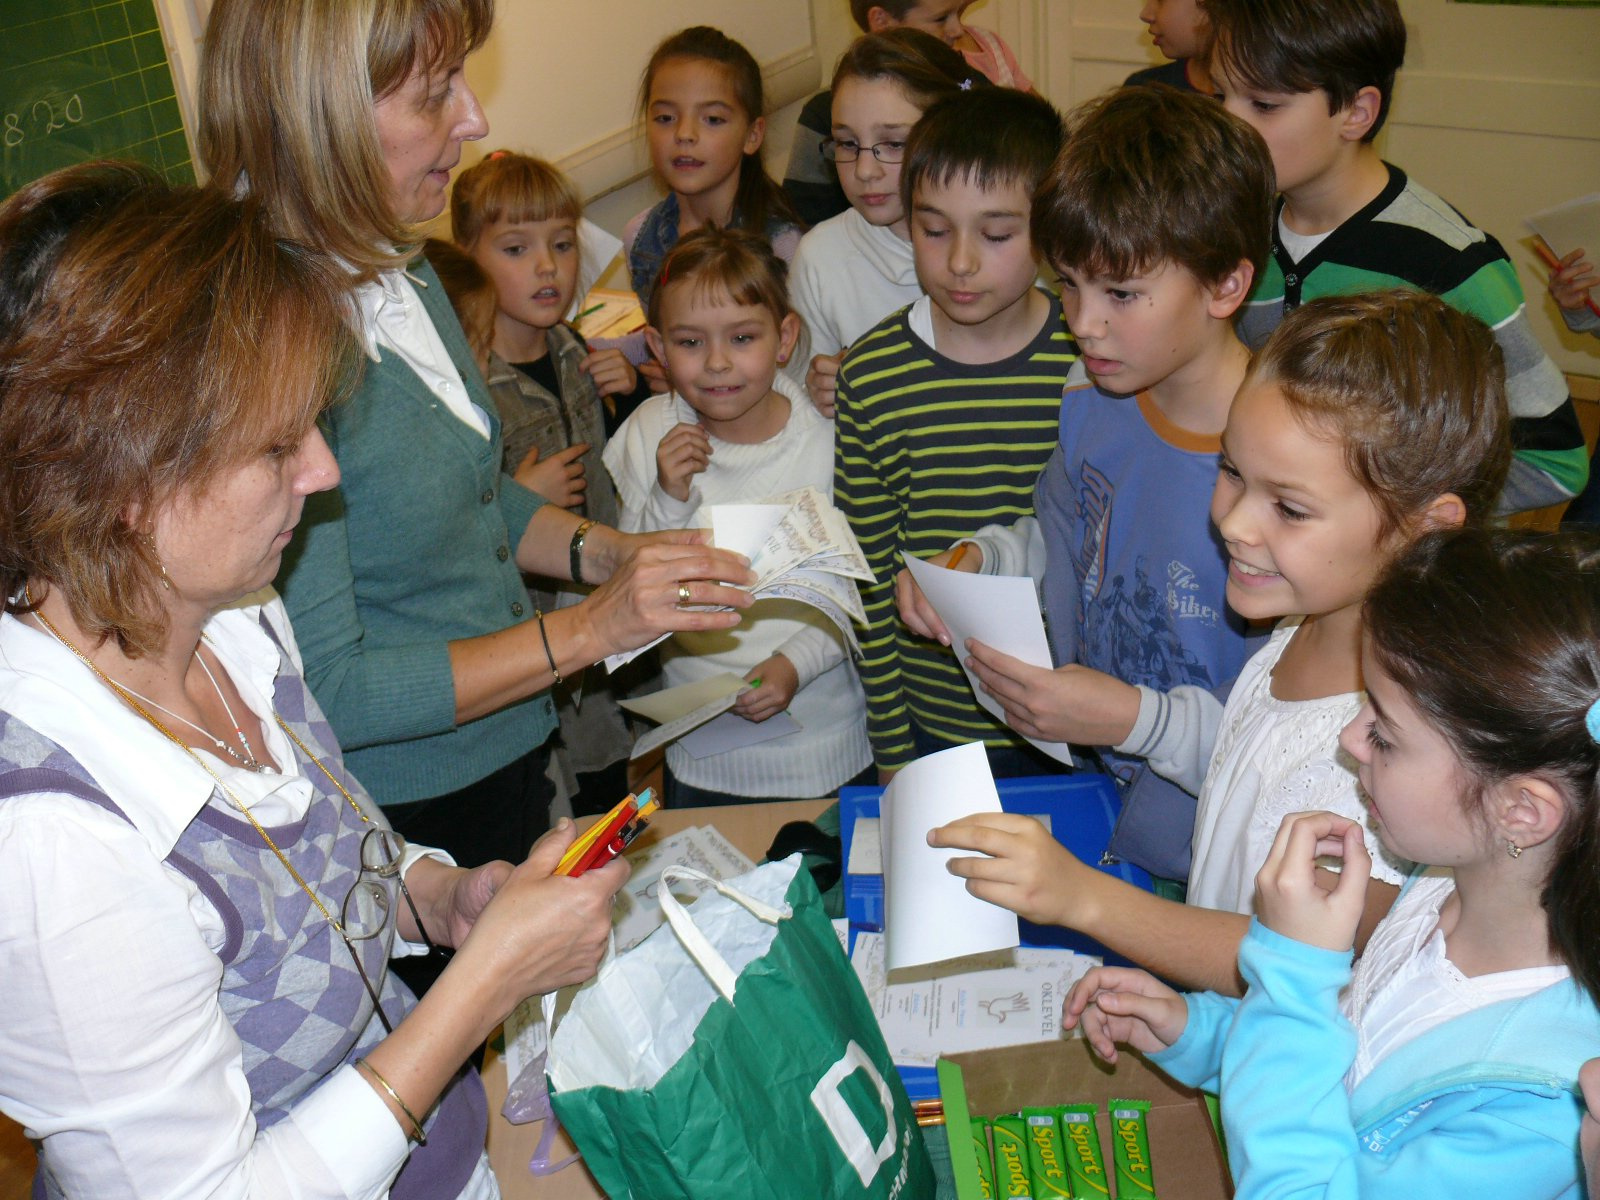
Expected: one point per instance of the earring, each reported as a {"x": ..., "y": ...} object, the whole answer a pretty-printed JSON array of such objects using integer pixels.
[
  {"x": 1514, "y": 850},
  {"x": 150, "y": 540}
]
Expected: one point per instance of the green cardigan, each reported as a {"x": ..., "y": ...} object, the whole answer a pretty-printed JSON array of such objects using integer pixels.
[{"x": 414, "y": 549}]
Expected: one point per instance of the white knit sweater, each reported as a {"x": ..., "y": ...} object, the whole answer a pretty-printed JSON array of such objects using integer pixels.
[{"x": 831, "y": 746}]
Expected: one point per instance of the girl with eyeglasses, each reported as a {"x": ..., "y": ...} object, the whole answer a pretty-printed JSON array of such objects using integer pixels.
[{"x": 854, "y": 269}]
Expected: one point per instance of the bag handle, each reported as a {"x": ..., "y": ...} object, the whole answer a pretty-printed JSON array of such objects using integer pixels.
[{"x": 695, "y": 943}]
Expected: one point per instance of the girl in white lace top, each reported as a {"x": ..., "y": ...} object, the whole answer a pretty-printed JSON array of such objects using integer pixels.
[{"x": 1363, "y": 423}]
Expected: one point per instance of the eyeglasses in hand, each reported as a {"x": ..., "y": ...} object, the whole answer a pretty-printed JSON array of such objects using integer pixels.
[{"x": 367, "y": 905}]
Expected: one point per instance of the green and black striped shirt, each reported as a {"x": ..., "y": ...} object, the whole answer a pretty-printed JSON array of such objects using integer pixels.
[{"x": 928, "y": 451}]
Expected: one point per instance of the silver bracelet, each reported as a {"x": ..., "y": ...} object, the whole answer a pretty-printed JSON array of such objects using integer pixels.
[{"x": 575, "y": 550}]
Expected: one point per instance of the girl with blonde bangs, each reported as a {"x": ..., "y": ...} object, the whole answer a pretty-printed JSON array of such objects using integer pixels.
[{"x": 346, "y": 119}]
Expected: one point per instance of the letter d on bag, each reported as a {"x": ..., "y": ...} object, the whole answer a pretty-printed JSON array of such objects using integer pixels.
[{"x": 845, "y": 1126}]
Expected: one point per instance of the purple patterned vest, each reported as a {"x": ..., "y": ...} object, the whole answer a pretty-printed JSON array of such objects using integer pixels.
[{"x": 289, "y": 988}]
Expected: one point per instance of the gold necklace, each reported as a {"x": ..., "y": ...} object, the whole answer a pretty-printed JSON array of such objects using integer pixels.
[{"x": 132, "y": 702}]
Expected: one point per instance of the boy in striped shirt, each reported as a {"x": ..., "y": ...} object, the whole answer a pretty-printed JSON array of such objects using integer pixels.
[
  {"x": 947, "y": 409},
  {"x": 1316, "y": 83}
]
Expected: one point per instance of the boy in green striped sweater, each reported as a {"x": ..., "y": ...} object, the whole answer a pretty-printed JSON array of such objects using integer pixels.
[
  {"x": 947, "y": 409},
  {"x": 1316, "y": 82}
]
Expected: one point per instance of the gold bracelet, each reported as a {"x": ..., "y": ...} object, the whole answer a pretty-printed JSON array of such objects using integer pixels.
[
  {"x": 418, "y": 1136},
  {"x": 545, "y": 638}
]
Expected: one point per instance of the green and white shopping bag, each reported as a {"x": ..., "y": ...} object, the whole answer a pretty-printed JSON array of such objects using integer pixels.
[{"x": 733, "y": 1054}]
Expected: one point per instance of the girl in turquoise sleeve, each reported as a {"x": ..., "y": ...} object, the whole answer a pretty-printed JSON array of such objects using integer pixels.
[{"x": 1445, "y": 1060}]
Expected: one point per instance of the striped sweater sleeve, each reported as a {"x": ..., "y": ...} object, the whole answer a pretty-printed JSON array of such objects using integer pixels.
[{"x": 861, "y": 492}]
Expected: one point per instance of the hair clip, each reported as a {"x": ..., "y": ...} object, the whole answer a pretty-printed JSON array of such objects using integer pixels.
[
  {"x": 966, "y": 84},
  {"x": 1591, "y": 721},
  {"x": 494, "y": 154}
]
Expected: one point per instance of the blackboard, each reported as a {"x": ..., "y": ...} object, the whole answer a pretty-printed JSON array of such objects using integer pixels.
[{"x": 85, "y": 79}]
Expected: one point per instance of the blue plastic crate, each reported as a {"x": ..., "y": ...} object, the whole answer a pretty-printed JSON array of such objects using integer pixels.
[{"x": 1082, "y": 809}]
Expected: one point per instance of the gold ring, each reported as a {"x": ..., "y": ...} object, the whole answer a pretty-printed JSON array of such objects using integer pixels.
[{"x": 683, "y": 593}]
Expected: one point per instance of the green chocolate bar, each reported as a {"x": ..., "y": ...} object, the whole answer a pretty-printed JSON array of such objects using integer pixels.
[
  {"x": 1011, "y": 1158},
  {"x": 1047, "y": 1165},
  {"x": 1130, "y": 1146},
  {"x": 980, "y": 1149},
  {"x": 1085, "y": 1164}
]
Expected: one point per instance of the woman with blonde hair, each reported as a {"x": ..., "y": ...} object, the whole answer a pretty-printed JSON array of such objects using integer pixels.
[
  {"x": 197, "y": 898},
  {"x": 345, "y": 119}
]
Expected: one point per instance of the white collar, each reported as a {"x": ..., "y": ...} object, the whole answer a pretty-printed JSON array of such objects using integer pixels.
[
  {"x": 158, "y": 785},
  {"x": 373, "y": 301}
]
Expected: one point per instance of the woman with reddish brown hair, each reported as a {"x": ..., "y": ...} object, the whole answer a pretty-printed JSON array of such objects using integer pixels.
[{"x": 198, "y": 900}]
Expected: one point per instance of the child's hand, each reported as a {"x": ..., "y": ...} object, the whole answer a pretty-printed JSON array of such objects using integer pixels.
[
  {"x": 1571, "y": 279},
  {"x": 656, "y": 376},
  {"x": 559, "y": 478},
  {"x": 779, "y": 681},
  {"x": 1119, "y": 1004},
  {"x": 1027, "y": 870},
  {"x": 914, "y": 608},
  {"x": 683, "y": 454},
  {"x": 611, "y": 372},
  {"x": 822, "y": 382},
  {"x": 1289, "y": 898},
  {"x": 1068, "y": 704}
]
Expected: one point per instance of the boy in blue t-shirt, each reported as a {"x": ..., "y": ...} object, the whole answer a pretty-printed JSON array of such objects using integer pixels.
[
  {"x": 1318, "y": 90},
  {"x": 1156, "y": 217}
]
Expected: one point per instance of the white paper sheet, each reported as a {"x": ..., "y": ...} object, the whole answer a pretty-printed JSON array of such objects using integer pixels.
[
  {"x": 1001, "y": 611},
  {"x": 743, "y": 528},
  {"x": 1006, "y": 998},
  {"x": 866, "y": 848},
  {"x": 684, "y": 708},
  {"x": 671, "y": 704},
  {"x": 1571, "y": 225},
  {"x": 730, "y": 731},
  {"x": 928, "y": 912}
]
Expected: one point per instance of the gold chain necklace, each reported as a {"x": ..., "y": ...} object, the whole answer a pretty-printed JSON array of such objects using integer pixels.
[{"x": 132, "y": 702}]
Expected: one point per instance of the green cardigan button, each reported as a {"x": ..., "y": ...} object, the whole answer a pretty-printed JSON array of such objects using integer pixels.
[
  {"x": 503, "y": 553},
  {"x": 516, "y": 609},
  {"x": 488, "y": 497}
]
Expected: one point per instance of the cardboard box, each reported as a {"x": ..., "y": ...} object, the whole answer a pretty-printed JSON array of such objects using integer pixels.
[{"x": 1186, "y": 1159}]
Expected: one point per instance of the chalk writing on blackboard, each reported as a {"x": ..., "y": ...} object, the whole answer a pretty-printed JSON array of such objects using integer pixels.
[
  {"x": 86, "y": 79},
  {"x": 43, "y": 118}
]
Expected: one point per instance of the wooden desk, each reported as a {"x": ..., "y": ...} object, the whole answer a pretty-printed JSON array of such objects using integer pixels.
[{"x": 750, "y": 827}]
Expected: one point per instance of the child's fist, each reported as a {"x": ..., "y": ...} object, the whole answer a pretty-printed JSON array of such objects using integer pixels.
[
  {"x": 611, "y": 372},
  {"x": 683, "y": 454},
  {"x": 1291, "y": 900},
  {"x": 773, "y": 685},
  {"x": 1571, "y": 279},
  {"x": 822, "y": 382},
  {"x": 559, "y": 478}
]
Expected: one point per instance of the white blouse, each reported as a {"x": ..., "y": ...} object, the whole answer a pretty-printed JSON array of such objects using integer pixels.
[
  {"x": 1404, "y": 984},
  {"x": 1273, "y": 757},
  {"x": 113, "y": 1047}
]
